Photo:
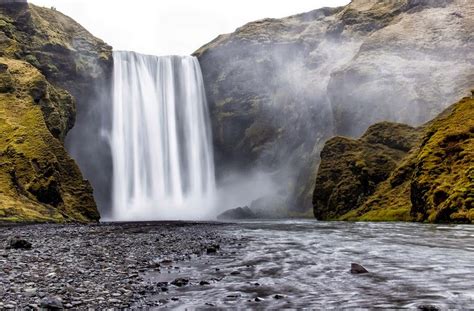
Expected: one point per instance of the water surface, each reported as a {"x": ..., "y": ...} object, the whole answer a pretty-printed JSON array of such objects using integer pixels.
[{"x": 308, "y": 263}]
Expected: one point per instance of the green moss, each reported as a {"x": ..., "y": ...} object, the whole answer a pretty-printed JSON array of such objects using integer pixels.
[
  {"x": 38, "y": 180},
  {"x": 432, "y": 182}
]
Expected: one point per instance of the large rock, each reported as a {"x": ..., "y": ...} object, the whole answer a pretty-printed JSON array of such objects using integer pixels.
[
  {"x": 279, "y": 88},
  {"x": 387, "y": 180},
  {"x": 38, "y": 179},
  {"x": 52, "y": 66},
  {"x": 350, "y": 169}
]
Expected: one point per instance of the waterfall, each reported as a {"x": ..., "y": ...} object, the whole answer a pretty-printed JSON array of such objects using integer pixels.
[{"x": 161, "y": 139}]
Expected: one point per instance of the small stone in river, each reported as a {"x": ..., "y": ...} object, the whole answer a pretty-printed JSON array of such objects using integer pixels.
[
  {"x": 235, "y": 273},
  {"x": 164, "y": 289},
  {"x": 211, "y": 250},
  {"x": 51, "y": 303},
  {"x": 180, "y": 282},
  {"x": 428, "y": 308},
  {"x": 175, "y": 298},
  {"x": 278, "y": 296},
  {"x": 17, "y": 243},
  {"x": 204, "y": 283},
  {"x": 258, "y": 299},
  {"x": 358, "y": 269}
]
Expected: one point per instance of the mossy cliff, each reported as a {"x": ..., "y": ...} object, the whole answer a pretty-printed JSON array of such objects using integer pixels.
[
  {"x": 279, "y": 88},
  {"x": 402, "y": 174},
  {"x": 48, "y": 66}
]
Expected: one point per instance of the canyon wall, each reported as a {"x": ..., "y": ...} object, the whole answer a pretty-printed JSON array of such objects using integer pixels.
[
  {"x": 279, "y": 88},
  {"x": 49, "y": 65}
]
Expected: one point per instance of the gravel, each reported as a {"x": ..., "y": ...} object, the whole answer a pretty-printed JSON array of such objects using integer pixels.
[{"x": 101, "y": 266}]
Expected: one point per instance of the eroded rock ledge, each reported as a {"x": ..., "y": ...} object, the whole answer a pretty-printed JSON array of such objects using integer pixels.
[{"x": 395, "y": 172}]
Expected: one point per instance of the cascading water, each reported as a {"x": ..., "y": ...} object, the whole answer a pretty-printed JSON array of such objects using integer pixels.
[{"x": 161, "y": 139}]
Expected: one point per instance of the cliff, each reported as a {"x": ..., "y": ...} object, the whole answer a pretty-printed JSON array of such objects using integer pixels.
[
  {"x": 48, "y": 65},
  {"x": 279, "y": 88},
  {"x": 427, "y": 177}
]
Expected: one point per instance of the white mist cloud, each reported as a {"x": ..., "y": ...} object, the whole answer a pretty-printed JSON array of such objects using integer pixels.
[{"x": 173, "y": 26}]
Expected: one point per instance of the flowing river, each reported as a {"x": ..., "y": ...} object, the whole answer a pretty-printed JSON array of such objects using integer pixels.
[{"x": 306, "y": 264}]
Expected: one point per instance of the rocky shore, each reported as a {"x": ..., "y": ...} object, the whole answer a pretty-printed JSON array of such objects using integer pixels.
[{"x": 100, "y": 266}]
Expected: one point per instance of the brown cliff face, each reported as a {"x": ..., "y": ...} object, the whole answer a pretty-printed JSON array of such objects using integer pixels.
[
  {"x": 279, "y": 88},
  {"x": 431, "y": 181},
  {"x": 50, "y": 65}
]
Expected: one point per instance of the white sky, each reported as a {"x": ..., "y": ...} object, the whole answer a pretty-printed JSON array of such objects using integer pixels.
[{"x": 163, "y": 27}]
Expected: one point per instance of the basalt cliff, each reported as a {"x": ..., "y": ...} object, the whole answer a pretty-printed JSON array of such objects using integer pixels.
[
  {"x": 49, "y": 65},
  {"x": 279, "y": 88},
  {"x": 395, "y": 172}
]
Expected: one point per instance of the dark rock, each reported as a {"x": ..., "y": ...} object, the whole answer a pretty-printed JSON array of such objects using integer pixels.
[
  {"x": 278, "y": 296},
  {"x": 238, "y": 213},
  {"x": 17, "y": 243},
  {"x": 179, "y": 282},
  {"x": 358, "y": 269},
  {"x": 202, "y": 283},
  {"x": 51, "y": 303},
  {"x": 258, "y": 299},
  {"x": 235, "y": 273},
  {"x": 211, "y": 250},
  {"x": 351, "y": 169},
  {"x": 428, "y": 308}
]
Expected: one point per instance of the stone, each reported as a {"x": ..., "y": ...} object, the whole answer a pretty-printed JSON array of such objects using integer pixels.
[
  {"x": 51, "y": 303},
  {"x": 428, "y": 308},
  {"x": 211, "y": 250},
  {"x": 180, "y": 282},
  {"x": 238, "y": 213},
  {"x": 18, "y": 243},
  {"x": 358, "y": 269}
]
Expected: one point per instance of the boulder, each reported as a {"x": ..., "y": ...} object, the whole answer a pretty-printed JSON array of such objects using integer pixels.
[
  {"x": 358, "y": 269},
  {"x": 239, "y": 213},
  {"x": 18, "y": 243}
]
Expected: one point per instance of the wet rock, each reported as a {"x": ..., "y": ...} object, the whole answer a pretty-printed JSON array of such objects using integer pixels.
[
  {"x": 202, "y": 283},
  {"x": 428, "y": 308},
  {"x": 51, "y": 303},
  {"x": 358, "y": 269},
  {"x": 238, "y": 213},
  {"x": 211, "y": 250},
  {"x": 258, "y": 299},
  {"x": 179, "y": 282},
  {"x": 18, "y": 243},
  {"x": 235, "y": 273},
  {"x": 278, "y": 296}
]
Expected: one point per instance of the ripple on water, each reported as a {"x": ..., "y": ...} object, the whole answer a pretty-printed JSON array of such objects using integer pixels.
[{"x": 308, "y": 262}]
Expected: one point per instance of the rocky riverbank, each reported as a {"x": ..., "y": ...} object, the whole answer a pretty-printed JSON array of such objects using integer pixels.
[{"x": 100, "y": 266}]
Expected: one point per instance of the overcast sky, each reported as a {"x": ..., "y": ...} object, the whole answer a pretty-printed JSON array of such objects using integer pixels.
[{"x": 163, "y": 27}]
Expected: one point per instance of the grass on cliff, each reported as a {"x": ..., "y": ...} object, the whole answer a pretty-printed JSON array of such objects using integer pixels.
[
  {"x": 435, "y": 182},
  {"x": 38, "y": 180}
]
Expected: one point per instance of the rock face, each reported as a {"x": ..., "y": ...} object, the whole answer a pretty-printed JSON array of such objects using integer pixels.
[
  {"x": 350, "y": 170},
  {"x": 423, "y": 174},
  {"x": 279, "y": 88},
  {"x": 48, "y": 63}
]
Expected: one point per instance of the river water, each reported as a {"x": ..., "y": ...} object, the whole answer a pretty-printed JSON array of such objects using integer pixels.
[{"x": 308, "y": 263}]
